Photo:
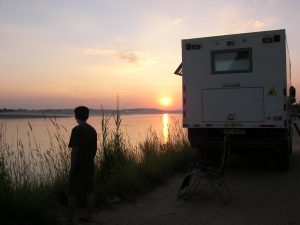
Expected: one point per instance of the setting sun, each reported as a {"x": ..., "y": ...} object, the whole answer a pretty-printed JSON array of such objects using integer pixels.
[{"x": 165, "y": 101}]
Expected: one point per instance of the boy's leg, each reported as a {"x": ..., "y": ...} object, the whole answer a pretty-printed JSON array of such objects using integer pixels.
[
  {"x": 90, "y": 201},
  {"x": 72, "y": 203}
]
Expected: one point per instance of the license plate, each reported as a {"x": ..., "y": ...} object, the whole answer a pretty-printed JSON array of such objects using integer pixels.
[{"x": 234, "y": 131}]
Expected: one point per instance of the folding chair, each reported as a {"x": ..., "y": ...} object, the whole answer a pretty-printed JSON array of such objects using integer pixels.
[{"x": 207, "y": 171}]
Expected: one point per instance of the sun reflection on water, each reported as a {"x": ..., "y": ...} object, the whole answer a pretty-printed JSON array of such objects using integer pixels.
[{"x": 166, "y": 127}]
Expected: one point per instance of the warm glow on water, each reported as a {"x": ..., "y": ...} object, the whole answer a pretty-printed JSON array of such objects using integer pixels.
[
  {"x": 134, "y": 127},
  {"x": 166, "y": 127}
]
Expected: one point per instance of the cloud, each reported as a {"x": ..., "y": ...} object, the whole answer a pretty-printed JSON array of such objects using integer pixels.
[
  {"x": 129, "y": 57},
  {"x": 258, "y": 24},
  {"x": 252, "y": 24},
  {"x": 124, "y": 55},
  {"x": 177, "y": 20}
]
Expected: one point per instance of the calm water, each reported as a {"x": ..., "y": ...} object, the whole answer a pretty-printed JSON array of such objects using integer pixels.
[{"x": 135, "y": 127}]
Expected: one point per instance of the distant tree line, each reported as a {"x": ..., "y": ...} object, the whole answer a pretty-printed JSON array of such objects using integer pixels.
[{"x": 11, "y": 110}]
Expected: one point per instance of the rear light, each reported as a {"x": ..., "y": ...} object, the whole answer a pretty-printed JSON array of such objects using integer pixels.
[{"x": 188, "y": 46}]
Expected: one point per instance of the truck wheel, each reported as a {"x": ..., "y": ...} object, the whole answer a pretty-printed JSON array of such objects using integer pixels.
[
  {"x": 283, "y": 156},
  {"x": 291, "y": 141}
]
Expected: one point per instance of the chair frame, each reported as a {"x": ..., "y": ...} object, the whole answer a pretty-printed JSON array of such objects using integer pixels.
[{"x": 215, "y": 176}]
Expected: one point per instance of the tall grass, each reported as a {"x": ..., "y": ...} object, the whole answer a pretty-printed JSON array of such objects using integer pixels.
[
  {"x": 33, "y": 179},
  {"x": 127, "y": 170}
]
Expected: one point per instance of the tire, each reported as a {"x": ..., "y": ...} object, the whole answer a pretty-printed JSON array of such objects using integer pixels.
[
  {"x": 283, "y": 155},
  {"x": 291, "y": 140}
]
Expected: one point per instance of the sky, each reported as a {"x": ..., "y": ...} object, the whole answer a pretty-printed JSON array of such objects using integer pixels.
[{"x": 64, "y": 53}]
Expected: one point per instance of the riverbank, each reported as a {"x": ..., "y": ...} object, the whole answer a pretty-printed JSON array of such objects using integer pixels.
[{"x": 35, "y": 182}]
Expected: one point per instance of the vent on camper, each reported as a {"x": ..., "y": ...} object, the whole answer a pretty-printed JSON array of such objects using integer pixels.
[
  {"x": 267, "y": 40},
  {"x": 230, "y": 43}
]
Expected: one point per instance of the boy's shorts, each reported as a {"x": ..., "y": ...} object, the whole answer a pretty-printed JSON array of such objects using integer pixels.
[{"x": 81, "y": 181}]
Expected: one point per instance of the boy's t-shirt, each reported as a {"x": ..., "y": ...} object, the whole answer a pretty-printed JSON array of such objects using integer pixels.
[{"x": 84, "y": 137}]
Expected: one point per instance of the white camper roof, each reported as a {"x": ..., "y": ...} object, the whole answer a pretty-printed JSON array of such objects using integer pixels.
[{"x": 179, "y": 70}]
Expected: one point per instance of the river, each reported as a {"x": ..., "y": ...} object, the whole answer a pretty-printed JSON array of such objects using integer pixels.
[{"x": 40, "y": 131}]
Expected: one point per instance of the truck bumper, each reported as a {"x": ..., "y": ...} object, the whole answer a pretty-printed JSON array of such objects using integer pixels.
[{"x": 265, "y": 139}]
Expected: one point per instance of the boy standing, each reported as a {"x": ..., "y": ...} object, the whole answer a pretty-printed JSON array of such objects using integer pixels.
[{"x": 83, "y": 145}]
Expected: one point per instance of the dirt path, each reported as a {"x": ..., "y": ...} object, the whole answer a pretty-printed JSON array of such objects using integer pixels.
[{"x": 260, "y": 196}]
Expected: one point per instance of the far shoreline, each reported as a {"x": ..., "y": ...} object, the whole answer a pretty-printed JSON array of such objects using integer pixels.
[
  {"x": 60, "y": 113},
  {"x": 22, "y": 116}
]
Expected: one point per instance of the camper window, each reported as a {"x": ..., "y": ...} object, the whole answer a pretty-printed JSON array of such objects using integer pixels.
[{"x": 231, "y": 61}]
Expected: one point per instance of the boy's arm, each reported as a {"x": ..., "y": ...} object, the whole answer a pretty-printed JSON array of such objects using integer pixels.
[{"x": 74, "y": 154}]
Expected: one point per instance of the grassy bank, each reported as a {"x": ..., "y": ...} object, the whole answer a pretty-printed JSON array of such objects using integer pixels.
[{"x": 33, "y": 181}]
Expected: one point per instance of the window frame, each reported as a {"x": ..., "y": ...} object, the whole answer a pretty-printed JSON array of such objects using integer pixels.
[{"x": 216, "y": 52}]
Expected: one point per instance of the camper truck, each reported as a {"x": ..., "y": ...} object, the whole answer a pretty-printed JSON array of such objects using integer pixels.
[{"x": 240, "y": 85}]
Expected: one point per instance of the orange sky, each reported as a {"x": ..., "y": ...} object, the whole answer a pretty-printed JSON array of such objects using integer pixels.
[{"x": 62, "y": 54}]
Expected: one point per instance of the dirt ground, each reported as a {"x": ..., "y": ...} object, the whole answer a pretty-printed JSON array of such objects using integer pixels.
[{"x": 261, "y": 195}]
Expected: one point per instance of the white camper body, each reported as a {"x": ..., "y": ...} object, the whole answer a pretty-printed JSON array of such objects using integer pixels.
[{"x": 239, "y": 83}]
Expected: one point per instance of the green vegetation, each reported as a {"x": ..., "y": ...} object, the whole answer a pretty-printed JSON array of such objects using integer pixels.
[{"x": 33, "y": 181}]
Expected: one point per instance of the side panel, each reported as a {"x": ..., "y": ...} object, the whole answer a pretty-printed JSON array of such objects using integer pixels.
[{"x": 239, "y": 105}]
